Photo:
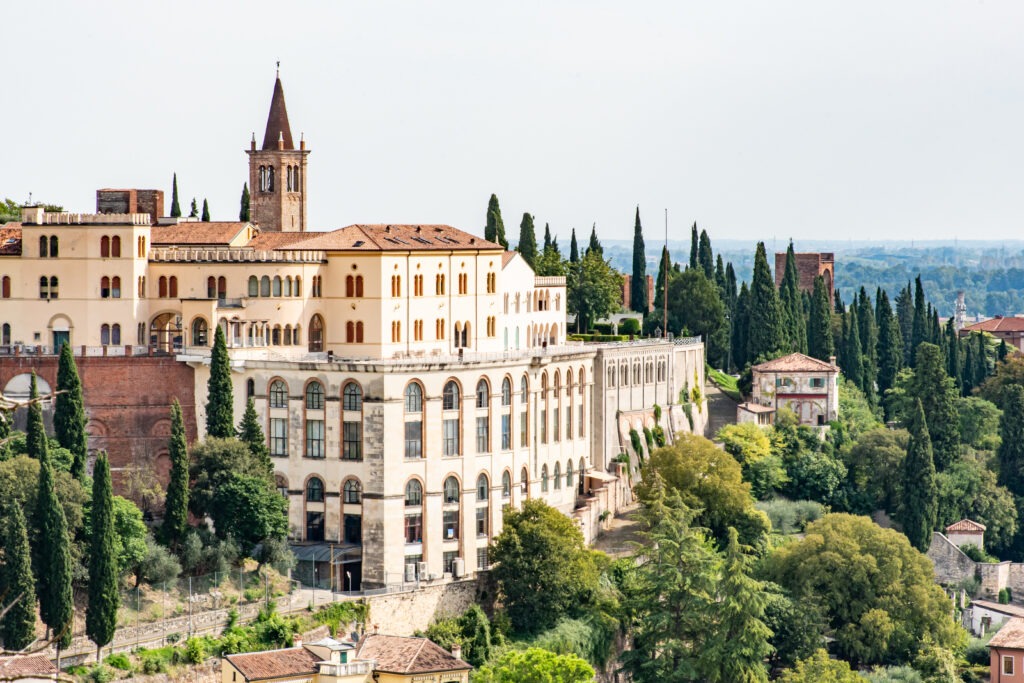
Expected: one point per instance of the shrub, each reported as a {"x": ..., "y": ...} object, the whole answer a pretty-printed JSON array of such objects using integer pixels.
[
  {"x": 659, "y": 436},
  {"x": 657, "y": 413},
  {"x": 977, "y": 651},
  {"x": 789, "y": 516},
  {"x": 152, "y": 664},
  {"x": 602, "y": 328},
  {"x": 173, "y": 637},
  {"x": 100, "y": 674},
  {"x": 195, "y": 651},
  {"x": 623, "y": 458},
  {"x": 649, "y": 438},
  {"x": 977, "y": 554},
  {"x": 629, "y": 326},
  {"x": 339, "y": 614},
  {"x": 688, "y": 410},
  {"x": 1004, "y": 596},
  {"x": 119, "y": 661},
  {"x": 634, "y": 440}
]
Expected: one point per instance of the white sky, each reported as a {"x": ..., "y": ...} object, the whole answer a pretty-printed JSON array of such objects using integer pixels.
[{"x": 820, "y": 118}]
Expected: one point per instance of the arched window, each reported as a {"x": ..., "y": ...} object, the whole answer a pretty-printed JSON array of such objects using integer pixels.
[
  {"x": 265, "y": 286},
  {"x": 278, "y": 394},
  {"x": 482, "y": 393},
  {"x": 115, "y": 334},
  {"x": 413, "y": 420},
  {"x": 352, "y": 396},
  {"x": 353, "y": 492},
  {"x": 568, "y": 475},
  {"x": 350, "y": 286},
  {"x": 524, "y": 412},
  {"x": 287, "y": 335},
  {"x": 583, "y": 469},
  {"x": 558, "y": 476},
  {"x": 172, "y": 287},
  {"x": 544, "y": 479},
  {"x": 316, "y": 333},
  {"x": 5, "y": 287},
  {"x": 314, "y": 396},
  {"x": 53, "y": 286},
  {"x": 413, "y": 494},
  {"x": 314, "y": 490},
  {"x": 115, "y": 247},
  {"x": 359, "y": 285},
  {"x": 200, "y": 331},
  {"x": 5, "y": 334},
  {"x": 53, "y": 246},
  {"x": 104, "y": 247},
  {"x": 450, "y": 397},
  {"x": 506, "y": 484},
  {"x": 222, "y": 288},
  {"x": 524, "y": 482},
  {"x": 413, "y": 398},
  {"x": 104, "y": 334},
  {"x": 115, "y": 287},
  {"x": 43, "y": 246},
  {"x": 275, "y": 289},
  {"x": 250, "y": 388},
  {"x": 162, "y": 287},
  {"x": 451, "y": 490},
  {"x": 298, "y": 286},
  {"x": 482, "y": 487},
  {"x": 506, "y": 392},
  {"x": 104, "y": 287},
  {"x": 254, "y": 286},
  {"x": 288, "y": 285},
  {"x": 270, "y": 179}
]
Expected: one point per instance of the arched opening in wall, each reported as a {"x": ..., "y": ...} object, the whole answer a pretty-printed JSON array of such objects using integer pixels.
[
  {"x": 316, "y": 333},
  {"x": 115, "y": 247},
  {"x": 60, "y": 328},
  {"x": 200, "y": 332},
  {"x": 582, "y": 472},
  {"x": 314, "y": 509},
  {"x": 222, "y": 288},
  {"x": 352, "y": 511},
  {"x": 253, "y": 289},
  {"x": 104, "y": 247},
  {"x": 165, "y": 332},
  {"x": 524, "y": 483},
  {"x": 450, "y": 519},
  {"x": 18, "y": 388},
  {"x": 5, "y": 334}
]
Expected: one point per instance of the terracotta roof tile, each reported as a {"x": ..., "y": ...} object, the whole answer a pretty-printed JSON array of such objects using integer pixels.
[
  {"x": 267, "y": 241},
  {"x": 192, "y": 233},
  {"x": 293, "y": 661},
  {"x": 1010, "y": 635},
  {"x": 507, "y": 257},
  {"x": 796, "y": 362},
  {"x": 402, "y": 655},
  {"x": 381, "y": 237},
  {"x": 1001, "y": 324},
  {"x": 966, "y": 525},
  {"x": 21, "y": 666},
  {"x": 1012, "y": 610},
  {"x": 10, "y": 239}
]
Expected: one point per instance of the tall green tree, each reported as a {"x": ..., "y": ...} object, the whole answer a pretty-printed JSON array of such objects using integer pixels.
[
  {"x": 219, "y": 401},
  {"x": 766, "y": 334},
  {"x": 495, "y": 230},
  {"x": 574, "y": 249},
  {"x": 535, "y": 665},
  {"x": 819, "y": 327},
  {"x": 251, "y": 433},
  {"x": 206, "y": 211},
  {"x": 1011, "y": 450},
  {"x": 593, "y": 289},
  {"x": 104, "y": 598},
  {"x": 853, "y": 359},
  {"x": 953, "y": 365},
  {"x": 595, "y": 245},
  {"x": 741, "y": 328},
  {"x": 980, "y": 358},
  {"x": 53, "y": 561},
  {"x": 35, "y": 430},
  {"x": 243, "y": 211},
  {"x": 904, "y": 304},
  {"x": 176, "y": 505},
  {"x": 175, "y": 207},
  {"x": 527, "y": 245},
  {"x": 920, "y": 493},
  {"x": 720, "y": 274},
  {"x": 868, "y": 333},
  {"x": 705, "y": 255},
  {"x": 919, "y": 323},
  {"x": 737, "y": 652},
  {"x": 938, "y": 396},
  {"x": 69, "y": 413},
  {"x": 638, "y": 282},
  {"x": 664, "y": 268},
  {"x": 17, "y": 586},
  {"x": 968, "y": 381},
  {"x": 194, "y": 213},
  {"x": 890, "y": 345},
  {"x": 791, "y": 300},
  {"x": 694, "y": 246},
  {"x": 249, "y": 510},
  {"x": 695, "y": 308}
]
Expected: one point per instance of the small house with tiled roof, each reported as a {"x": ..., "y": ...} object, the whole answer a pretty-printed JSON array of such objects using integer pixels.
[
  {"x": 805, "y": 385},
  {"x": 27, "y": 668},
  {"x": 1006, "y": 652},
  {"x": 401, "y": 659},
  {"x": 1009, "y": 329},
  {"x": 966, "y": 532}
]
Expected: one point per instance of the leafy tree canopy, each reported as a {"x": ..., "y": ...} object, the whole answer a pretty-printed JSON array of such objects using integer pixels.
[{"x": 536, "y": 666}]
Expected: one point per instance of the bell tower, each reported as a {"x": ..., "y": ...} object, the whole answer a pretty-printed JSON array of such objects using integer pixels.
[{"x": 277, "y": 173}]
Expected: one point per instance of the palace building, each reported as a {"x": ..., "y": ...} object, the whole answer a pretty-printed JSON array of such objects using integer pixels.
[{"x": 413, "y": 379}]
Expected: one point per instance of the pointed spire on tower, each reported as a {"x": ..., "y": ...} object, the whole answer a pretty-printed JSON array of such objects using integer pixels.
[{"x": 277, "y": 120}]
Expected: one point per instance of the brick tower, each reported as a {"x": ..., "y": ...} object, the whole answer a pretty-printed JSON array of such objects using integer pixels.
[{"x": 277, "y": 173}]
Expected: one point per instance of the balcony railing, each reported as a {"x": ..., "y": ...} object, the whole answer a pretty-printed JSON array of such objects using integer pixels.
[{"x": 361, "y": 667}]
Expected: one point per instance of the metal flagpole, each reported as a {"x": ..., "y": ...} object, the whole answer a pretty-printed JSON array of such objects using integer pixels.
[{"x": 664, "y": 294}]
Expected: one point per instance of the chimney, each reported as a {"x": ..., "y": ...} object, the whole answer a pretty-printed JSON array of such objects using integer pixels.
[
  {"x": 297, "y": 641},
  {"x": 831, "y": 360},
  {"x": 457, "y": 651}
]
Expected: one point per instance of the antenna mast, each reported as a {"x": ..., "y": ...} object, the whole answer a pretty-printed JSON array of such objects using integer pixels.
[{"x": 664, "y": 294}]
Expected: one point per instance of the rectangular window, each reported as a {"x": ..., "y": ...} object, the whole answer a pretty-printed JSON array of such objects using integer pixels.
[
  {"x": 1007, "y": 665},
  {"x": 314, "y": 438},
  {"x": 279, "y": 437},
  {"x": 544, "y": 426},
  {"x": 817, "y": 382},
  {"x": 353, "y": 525},
  {"x": 451, "y": 525},
  {"x": 524, "y": 437},
  {"x": 481, "y": 521},
  {"x": 414, "y": 439},
  {"x": 414, "y": 528},
  {"x": 506, "y": 432},
  {"x": 482, "y": 429},
  {"x": 352, "y": 441},
  {"x": 451, "y": 437},
  {"x": 449, "y": 561},
  {"x": 556, "y": 426},
  {"x": 482, "y": 561}
]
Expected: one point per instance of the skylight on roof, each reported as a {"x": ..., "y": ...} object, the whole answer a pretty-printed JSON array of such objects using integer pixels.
[{"x": 359, "y": 243}]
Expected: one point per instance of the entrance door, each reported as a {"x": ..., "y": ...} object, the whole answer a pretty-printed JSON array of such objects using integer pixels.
[{"x": 60, "y": 337}]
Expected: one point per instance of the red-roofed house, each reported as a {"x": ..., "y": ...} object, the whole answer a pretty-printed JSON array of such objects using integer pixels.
[
  {"x": 1010, "y": 330},
  {"x": 1006, "y": 653},
  {"x": 805, "y": 385}
]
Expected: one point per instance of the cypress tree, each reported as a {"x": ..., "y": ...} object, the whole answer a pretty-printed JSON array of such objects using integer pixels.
[
  {"x": 18, "y": 625},
  {"x": 527, "y": 240},
  {"x": 495, "y": 230},
  {"x": 53, "y": 559},
  {"x": 69, "y": 413},
  {"x": 741, "y": 328},
  {"x": 720, "y": 275},
  {"x": 659, "y": 284},
  {"x": 953, "y": 367},
  {"x": 1011, "y": 449},
  {"x": 195, "y": 209},
  {"x": 967, "y": 379},
  {"x": 791, "y": 301},
  {"x": 936, "y": 329},
  {"x": 819, "y": 326},
  {"x": 731, "y": 290},
  {"x": 920, "y": 322},
  {"x": 219, "y": 402},
  {"x": 176, "y": 505},
  {"x": 890, "y": 346},
  {"x": 905, "y": 315},
  {"x": 638, "y": 283},
  {"x": 694, "y": 246},
  {"x": 35, "y": 430},
  {"x": 937, "y": 395},
  {"x": 574, "y": 249},
  {"x": 840, "y": 306},
  {"x": 101, "y": 612},
  {"x": 920, "y": 491},
  {"x": 206, "y": 211},
  {"x": 868, "y": 334},
  {"x": 981, "y": 358},
  {"x": 595, "y": 244},
  {"x": 175, "y": 207},
  {"x": 853, "y": 368},
  {"x": 1004, "y": 350},
  {"x": 251, "y": 433},
  {"x": 765, "y": 334},
  {"x": 243, "y": 212},
  {"x": 547, "y": 237},
  {"x": 705, "y": 256}
]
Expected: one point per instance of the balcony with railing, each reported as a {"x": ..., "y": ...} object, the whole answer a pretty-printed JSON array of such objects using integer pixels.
[{"x": 361, "y": 667}]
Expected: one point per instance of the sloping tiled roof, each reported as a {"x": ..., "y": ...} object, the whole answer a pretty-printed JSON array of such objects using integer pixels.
[
  {"x": 796, "y": 362},
  {"x": 21, "y": 666},
  {"x": 999, "y": 324},
  {"x": 1010, "y": 635},
  {"x": 191, "y": 233},
  {"x": 10, "y": 239},
  {"x": 293, "y": 661},
  {"x": 965, "y": 525},
  {"x": 267, "y": 241},
  {"x": 1012, "y": 610},
  {"x": 381, "y": 237},
  {"x": 402, "y": 655},
  {"x": 507, "y": 257},
  {"x": 277, "y": 120}
]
